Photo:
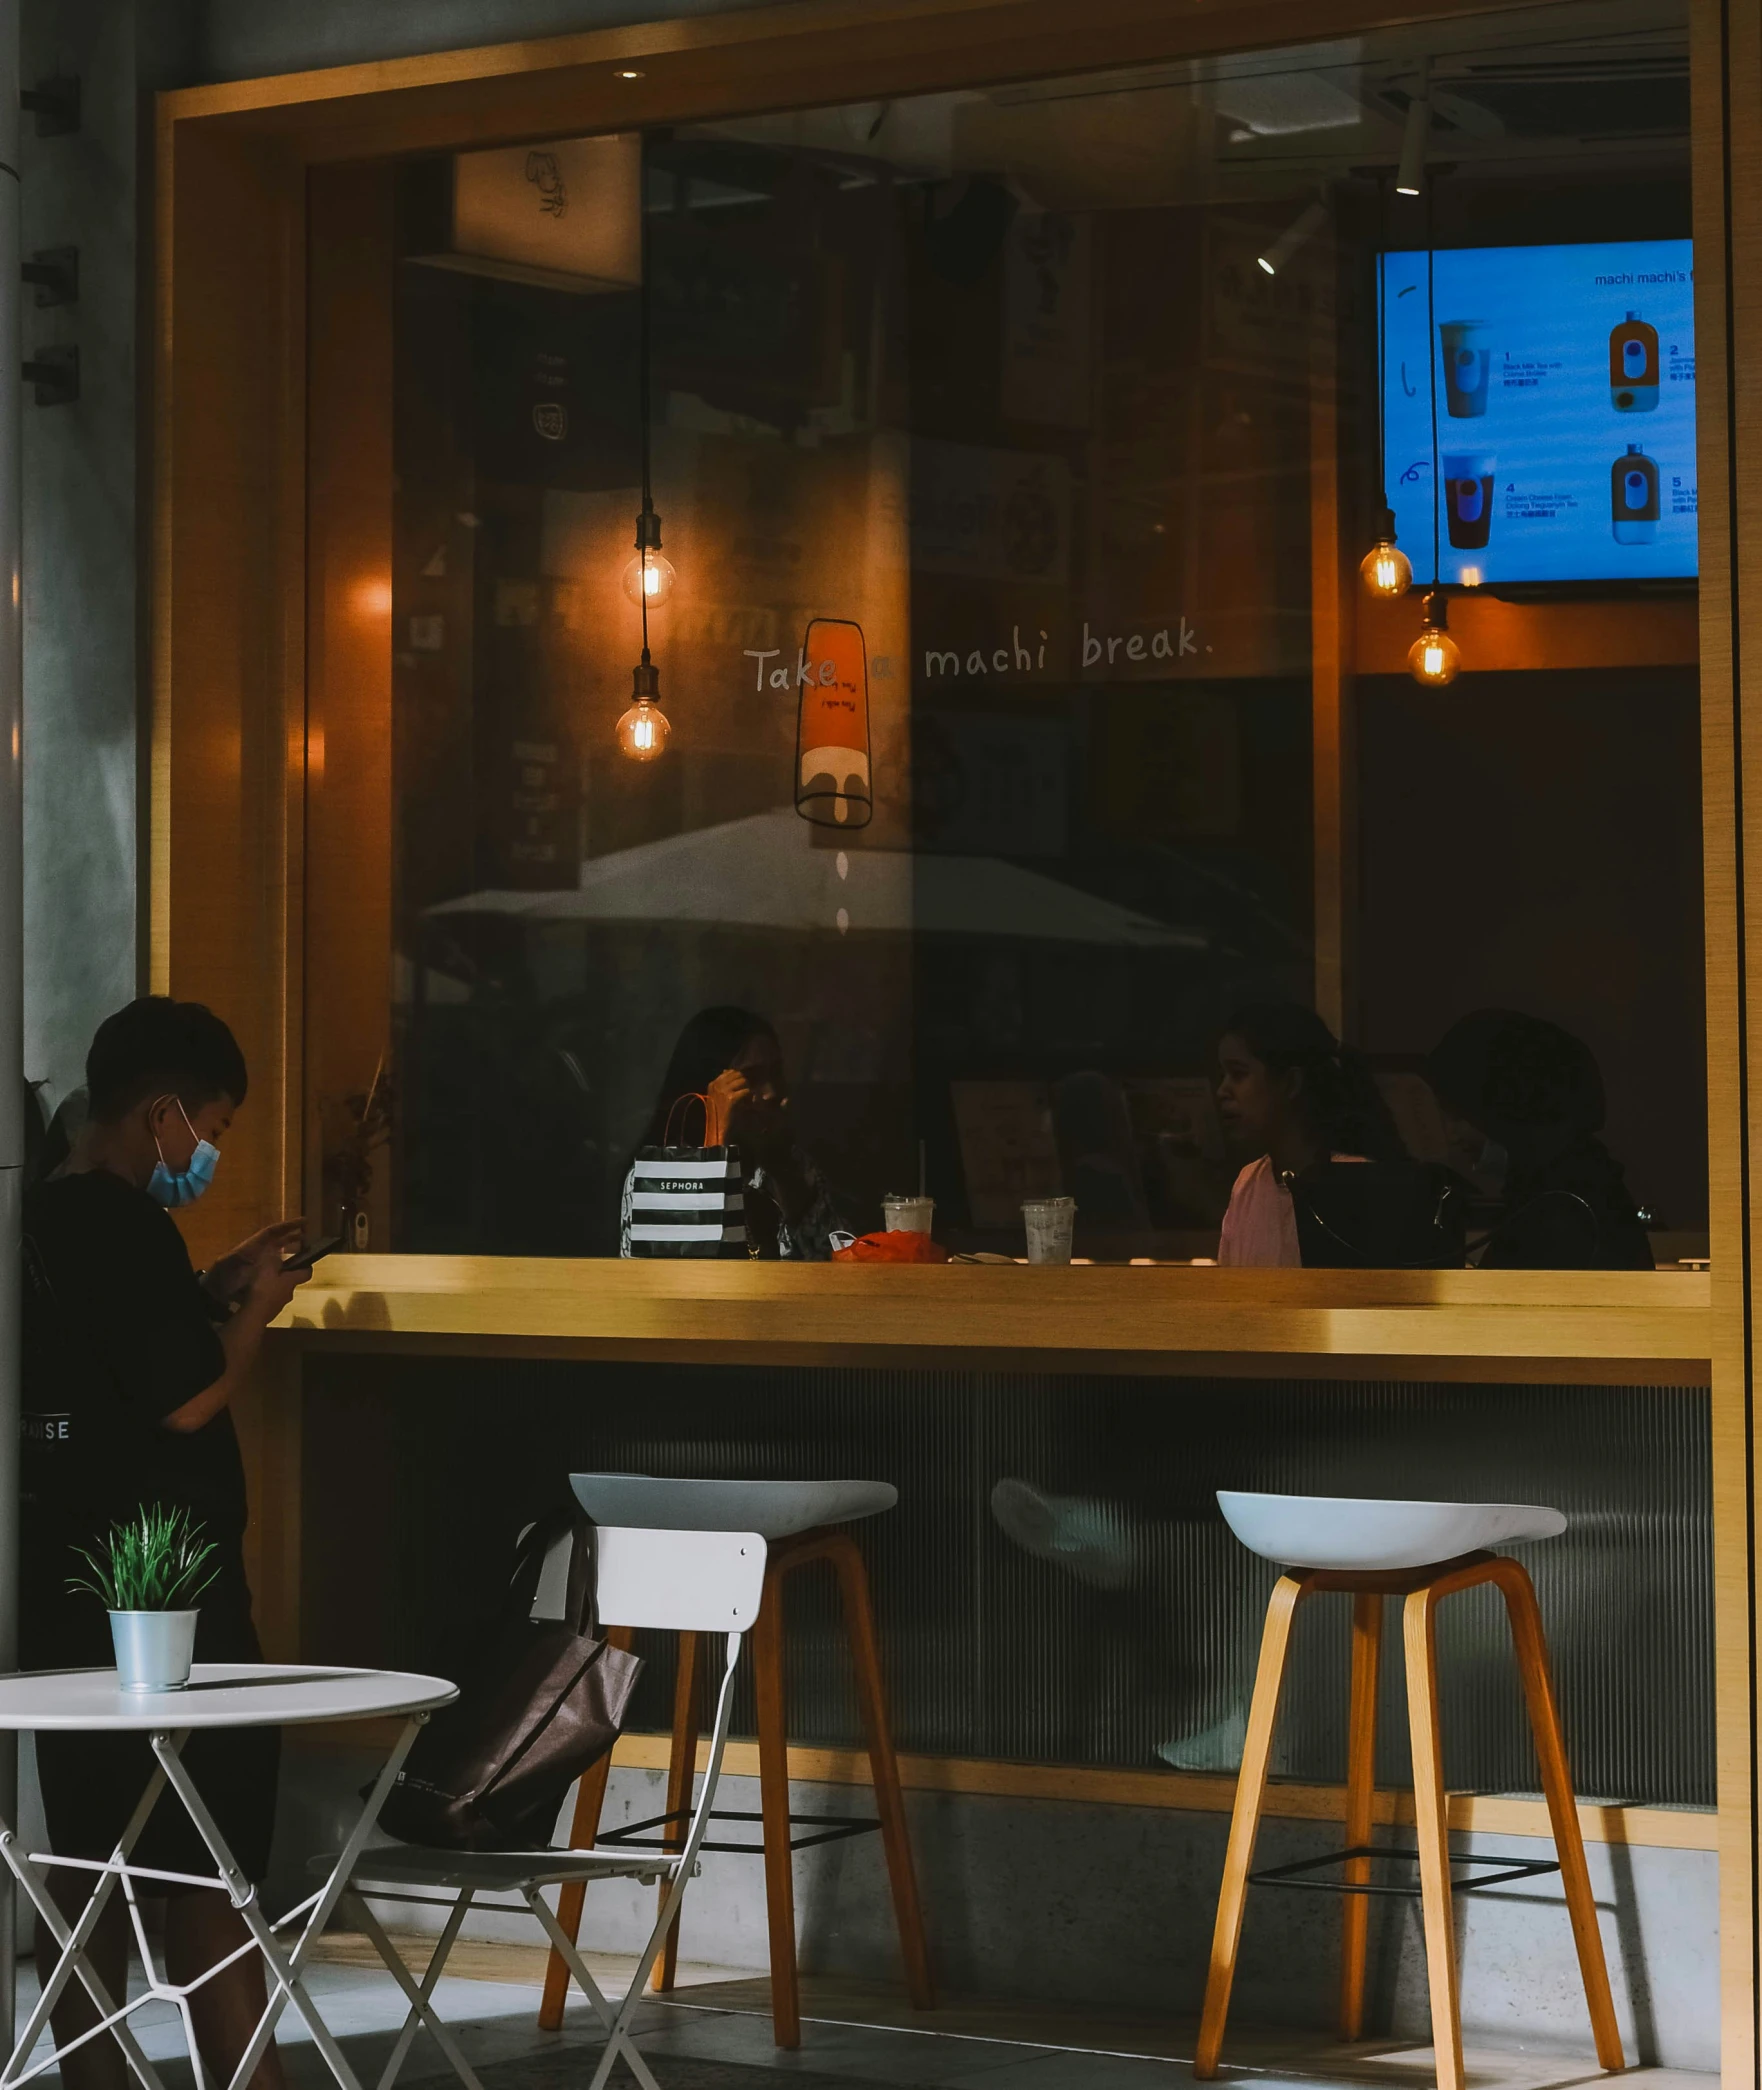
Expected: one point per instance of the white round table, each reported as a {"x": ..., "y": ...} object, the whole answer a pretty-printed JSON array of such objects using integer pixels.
[{"x": 219, "y": 1694}]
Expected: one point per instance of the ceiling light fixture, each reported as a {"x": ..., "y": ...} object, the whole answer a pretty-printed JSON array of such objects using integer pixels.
[
  {"x": 1385, "y": 569},
  {"x": 1304, "y": 226},
  {"x": 643, "y": 730},
  {"x": 1410, "y": 174},
  {"x": 629, "y": 72}
]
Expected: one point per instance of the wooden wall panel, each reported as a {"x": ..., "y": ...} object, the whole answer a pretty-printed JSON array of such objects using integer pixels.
[
  {"x": 1728, "y": 293},
  {"x": 228, "y": 696}
]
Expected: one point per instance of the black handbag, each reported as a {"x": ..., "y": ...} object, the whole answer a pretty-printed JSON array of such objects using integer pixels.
[
  {"x": 1380, "y": 1215},
  {"x": 540, "y": 1701}
]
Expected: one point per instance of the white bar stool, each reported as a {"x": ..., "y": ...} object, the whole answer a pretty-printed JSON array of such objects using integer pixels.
[
  {"x": 1424, "y": 1552},
  {"x": 801, "y": 1523}
]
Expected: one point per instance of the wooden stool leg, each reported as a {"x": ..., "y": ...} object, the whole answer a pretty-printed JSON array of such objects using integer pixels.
[
  {"x": 859, "y": 1626},
  {"x": 767, "y": 1642},
  {"x": 1538, "y": 1689},
  {"x": 590, "y": 1797},
  {"x": 1361, "y": 1791},
  {"x": 1263, "y": 1711},
  {"x": 1420, "y": 1632},
  {"x": 680, "y": 1765}
]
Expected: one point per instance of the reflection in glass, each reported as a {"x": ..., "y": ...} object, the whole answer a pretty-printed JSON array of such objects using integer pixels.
[{"x": 999, "y": 379}]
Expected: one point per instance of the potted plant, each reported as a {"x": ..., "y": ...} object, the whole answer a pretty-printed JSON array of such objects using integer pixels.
[{"x": 148, "y": 1574}]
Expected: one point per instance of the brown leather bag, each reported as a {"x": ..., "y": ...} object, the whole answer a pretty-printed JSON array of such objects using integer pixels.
[{"x": 541, "y": 1701}]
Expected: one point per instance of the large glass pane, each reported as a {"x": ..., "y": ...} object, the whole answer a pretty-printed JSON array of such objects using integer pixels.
[{"x": 1014, "y": 451}]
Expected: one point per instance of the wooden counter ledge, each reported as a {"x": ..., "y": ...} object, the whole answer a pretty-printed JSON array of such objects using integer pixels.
[{"x": 1585, "y": 1327}]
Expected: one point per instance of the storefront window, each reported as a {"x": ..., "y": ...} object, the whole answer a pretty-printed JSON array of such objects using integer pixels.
[{"x": 1014, "y": 452}]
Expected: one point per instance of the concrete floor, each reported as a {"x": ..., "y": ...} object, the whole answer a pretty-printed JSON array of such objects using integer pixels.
[{"x": 849, "y": 2030}]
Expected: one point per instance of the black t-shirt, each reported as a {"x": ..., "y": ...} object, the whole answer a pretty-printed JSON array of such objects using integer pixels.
[{"x": 117, "y": 1335}]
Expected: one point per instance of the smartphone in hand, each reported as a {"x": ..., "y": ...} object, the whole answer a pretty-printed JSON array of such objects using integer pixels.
[{"x": 314, "y": 1252}]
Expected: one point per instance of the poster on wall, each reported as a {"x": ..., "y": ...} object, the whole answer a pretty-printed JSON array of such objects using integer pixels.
[{"x": 1539, "y": 411}]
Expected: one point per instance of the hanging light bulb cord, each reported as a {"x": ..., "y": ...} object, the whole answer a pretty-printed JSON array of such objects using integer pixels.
[
  {"x": 1432, "y": 371},
  {"x": 642, "y": 374},
  {"x": 1383, "y": 346}
]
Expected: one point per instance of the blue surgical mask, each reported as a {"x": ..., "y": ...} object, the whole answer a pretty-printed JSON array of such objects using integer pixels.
[{"x": 182, "y": 1186}]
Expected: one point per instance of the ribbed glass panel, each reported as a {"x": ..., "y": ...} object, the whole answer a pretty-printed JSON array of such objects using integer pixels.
[{"x": 1143, "y": 1633}]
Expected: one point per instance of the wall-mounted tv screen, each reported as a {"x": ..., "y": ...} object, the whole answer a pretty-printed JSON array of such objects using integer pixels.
[{"x": 1539, "y": 411}]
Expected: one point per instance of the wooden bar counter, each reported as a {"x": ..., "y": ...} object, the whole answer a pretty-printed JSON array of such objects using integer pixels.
[
  {"x": 1565, "y": 1327},
  {"x": 945, "y": 1378}
]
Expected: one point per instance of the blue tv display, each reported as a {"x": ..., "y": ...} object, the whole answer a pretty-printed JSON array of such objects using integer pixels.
[{"x": 1539, "y": 411}]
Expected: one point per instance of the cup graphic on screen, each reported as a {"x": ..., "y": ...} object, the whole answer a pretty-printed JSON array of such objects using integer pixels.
[
  {"x": 1468, "y": 358},
  {"x": 1633, "y": 497},
  {"x": 1633, "y": 366},
  {"x": 1468, "y": 496}
]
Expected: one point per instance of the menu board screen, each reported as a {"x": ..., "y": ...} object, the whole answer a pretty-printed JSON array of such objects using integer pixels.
[{"x": 1539, "y": 411}]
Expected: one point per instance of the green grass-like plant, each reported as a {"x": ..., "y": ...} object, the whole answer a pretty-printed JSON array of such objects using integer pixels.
[{"x": 153, "y": 1563}]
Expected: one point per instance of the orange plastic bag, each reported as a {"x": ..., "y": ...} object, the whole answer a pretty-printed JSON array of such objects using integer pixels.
[{"x": 896, "y": 1247}]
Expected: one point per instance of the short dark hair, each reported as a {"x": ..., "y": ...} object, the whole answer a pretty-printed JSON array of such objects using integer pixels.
[{"x": 160, "y": 1047}]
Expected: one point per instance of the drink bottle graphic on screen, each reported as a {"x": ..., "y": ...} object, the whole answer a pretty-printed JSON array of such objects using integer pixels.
[
  {"x": 1633, "y": 366},
  {"x": 1633, "y": 497},
  {"x": 1468, "y": 359},
  {"x": 1468, "y": 497}
]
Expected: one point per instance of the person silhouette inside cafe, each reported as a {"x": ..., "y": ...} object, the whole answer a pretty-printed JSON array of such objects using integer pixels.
[
  {"x": 1523, "y": 1099},
  {"x": 733, "y": 1057}
]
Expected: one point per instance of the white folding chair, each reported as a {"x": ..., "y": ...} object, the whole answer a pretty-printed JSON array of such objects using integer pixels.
[{"x": 686, "y": 1581}]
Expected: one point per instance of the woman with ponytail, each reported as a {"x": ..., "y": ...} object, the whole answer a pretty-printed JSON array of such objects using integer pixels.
[{"x": 1294, "y": 1096}]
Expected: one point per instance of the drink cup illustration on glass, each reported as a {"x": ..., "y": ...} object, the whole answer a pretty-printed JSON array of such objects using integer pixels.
[
  {"x": 1468, "y": 497},
  {"x": 1633, "y": 366},
  {"x": 1633, "y": 497},
  {"x": 1468, "y": 359},
  {"x": 833, "y": 787}
]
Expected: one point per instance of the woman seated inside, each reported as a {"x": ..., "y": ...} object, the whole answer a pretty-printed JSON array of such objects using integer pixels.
[
  {"x": 733, "y": 1058},
  {"x": 1524, "y": 1099},
  {"x": 1301, "y": 1102}
]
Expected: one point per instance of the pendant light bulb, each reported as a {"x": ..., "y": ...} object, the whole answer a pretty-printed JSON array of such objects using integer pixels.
[
  {"x": 1433, "y": 659},
  {"x": 1386, "y": 569},
  {"x": 649, "y": 576},
  {"x": 644, "y": 729}
]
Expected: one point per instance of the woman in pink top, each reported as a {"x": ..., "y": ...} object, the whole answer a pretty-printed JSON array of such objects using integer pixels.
[{"x": 1292, "y": 1095}]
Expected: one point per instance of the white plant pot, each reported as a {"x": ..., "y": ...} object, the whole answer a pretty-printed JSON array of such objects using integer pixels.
[{"x": 154, "y": 1649}]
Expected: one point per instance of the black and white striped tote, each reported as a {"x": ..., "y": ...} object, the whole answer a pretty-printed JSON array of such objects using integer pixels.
[{"x": 687, "y": 1201}]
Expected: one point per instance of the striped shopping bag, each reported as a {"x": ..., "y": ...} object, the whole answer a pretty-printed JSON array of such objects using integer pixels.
[{"x": 687, "y": 1200}]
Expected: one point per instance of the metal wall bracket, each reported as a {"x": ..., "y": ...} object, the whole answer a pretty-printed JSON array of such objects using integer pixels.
[
  {"x": 55, "y": 104},
  {"x": 56, "y": 273},
  {"x": 56, "y": 374}
]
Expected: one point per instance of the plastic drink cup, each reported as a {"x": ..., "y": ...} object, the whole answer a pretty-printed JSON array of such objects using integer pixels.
[
  {"x": 1468, "y": 496},
  {"x": 907, "y": 1215},
  {"x": 1051, "y": 1224}
]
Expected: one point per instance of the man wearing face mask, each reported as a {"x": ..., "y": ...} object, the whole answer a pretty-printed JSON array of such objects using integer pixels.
[{"x": 130, "y": 1362}]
